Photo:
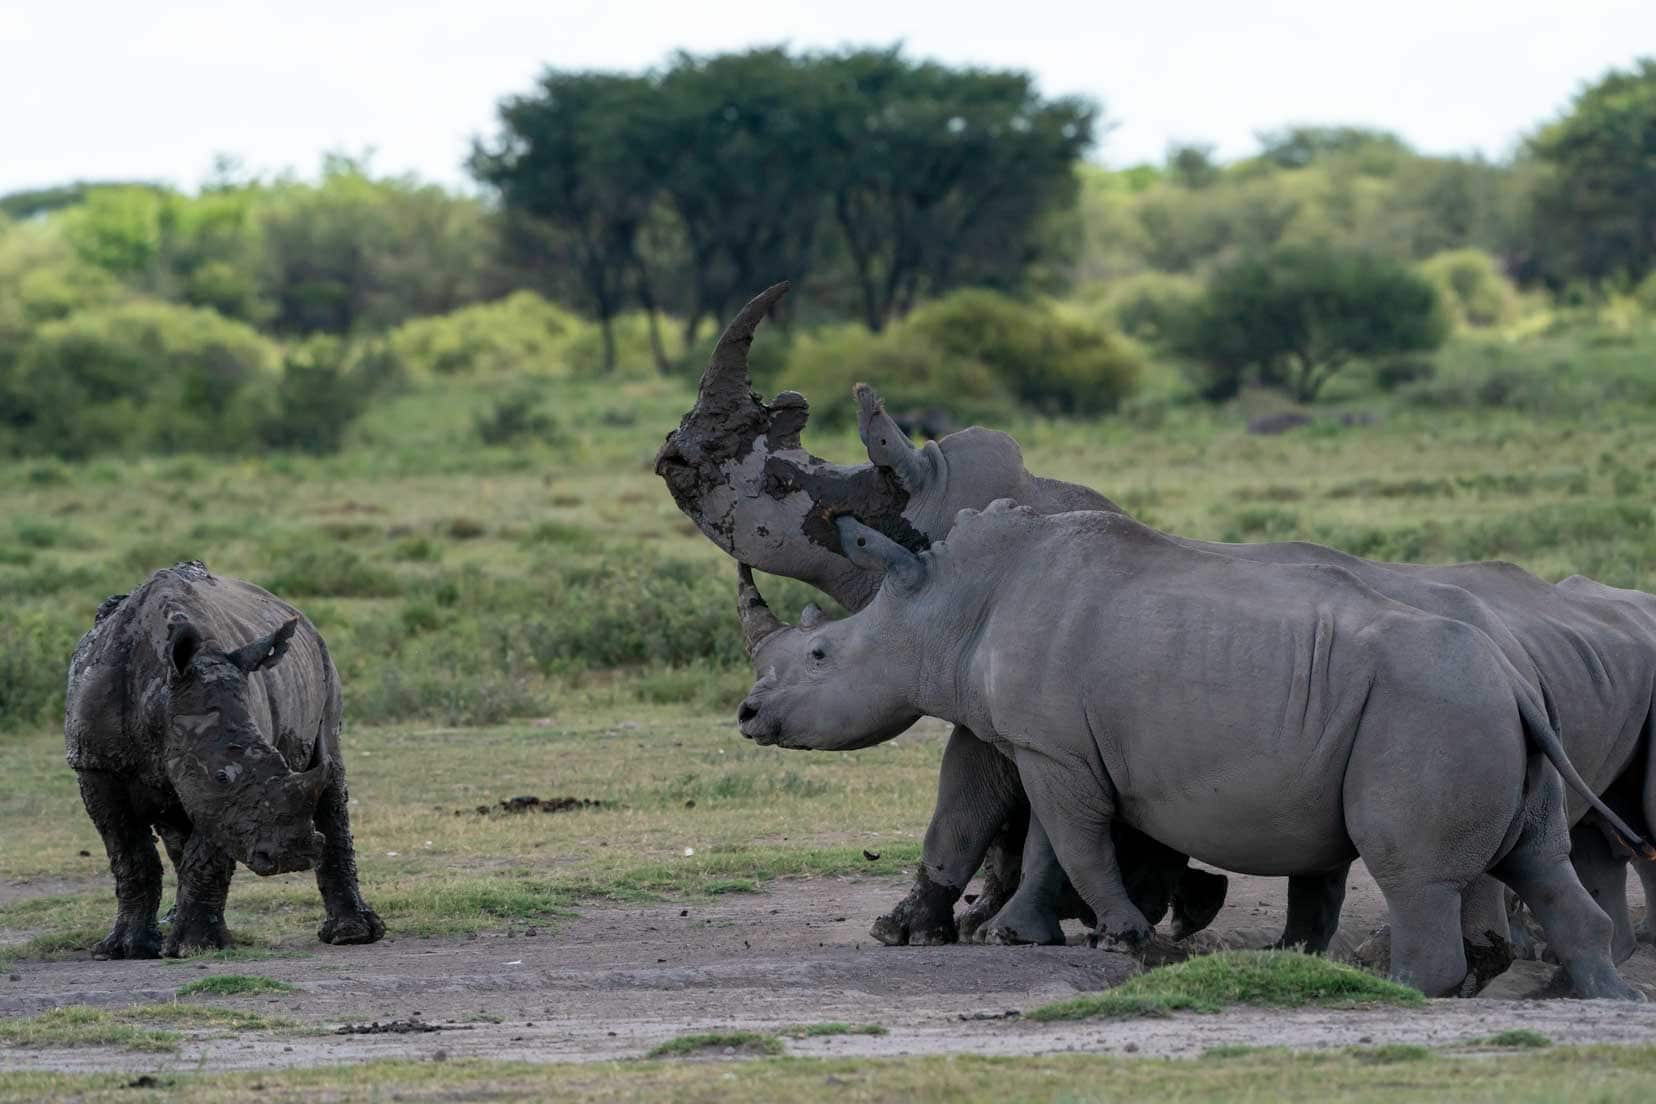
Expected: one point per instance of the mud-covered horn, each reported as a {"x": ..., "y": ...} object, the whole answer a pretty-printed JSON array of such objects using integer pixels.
[
  {"x": 727, "y": 368},
  {"x": 758, "y": 621},
  {"x": 309, "y": 783}
]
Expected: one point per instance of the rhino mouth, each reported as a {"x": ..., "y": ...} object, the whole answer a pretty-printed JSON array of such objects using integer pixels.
[{"x": 265, "y": 861}]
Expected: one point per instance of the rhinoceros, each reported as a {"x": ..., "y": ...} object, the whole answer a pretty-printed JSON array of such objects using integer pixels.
[
  {"x": 756, "y": 493},
  {"x": 209, "y": 710},
  {"x": 735, "y": 466},
  {"x": 1275, "y": 719}
]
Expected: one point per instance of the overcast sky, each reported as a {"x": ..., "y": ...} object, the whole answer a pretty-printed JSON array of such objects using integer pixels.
[{"x": 117, "y": 89}]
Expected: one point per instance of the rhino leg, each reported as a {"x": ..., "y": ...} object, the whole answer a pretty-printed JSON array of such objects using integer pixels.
[
  {"x": 133, "y": 862},
  {"x": 1646, "y": 932},
  {"x": 977, "y": 790},
  {"x": 1197, "y": 899},
  {"x": 999, "y": 876},
  {"x": 350, "y": 920},
  {"x": 1603, "y": 873},
  {"x": 1079, "y": 820},
  {"x": 1031, "y": 915},
  {"x": 1314, "y": 902},
  {"x": 203, "y": 887}
]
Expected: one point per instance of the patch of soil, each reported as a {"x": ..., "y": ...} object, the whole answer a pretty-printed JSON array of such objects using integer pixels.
[
  {"x": 533, "y": 804},
  {"x": 616, "y": 982},
  {"x": 392, "y": 1027}
]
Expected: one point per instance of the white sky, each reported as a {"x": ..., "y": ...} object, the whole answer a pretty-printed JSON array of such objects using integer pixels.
[{"x": 117, "y": 89}]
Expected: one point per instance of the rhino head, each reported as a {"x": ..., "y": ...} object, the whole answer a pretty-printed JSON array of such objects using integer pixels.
[
  {"x": 233, "y": 782},
  {"x": 837, "y": 685}
]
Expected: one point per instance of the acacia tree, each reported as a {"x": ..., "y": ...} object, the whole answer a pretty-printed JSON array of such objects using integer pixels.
[
  {"x": 1294, "y": 316},
  {"x": 938, "y": 177},
  {"x": 569, "y": 156},
  {"x": 1594, "y": 204}
]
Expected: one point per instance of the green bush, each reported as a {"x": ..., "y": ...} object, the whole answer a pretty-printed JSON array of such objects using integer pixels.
[
  {"x": 137, "y": 376},
  {"x": 35, "y": 645},
  {"x": 325, "y": 385},
  {"x": 909, "y": 370},
  {"x": 1048, "y": 359},
  {"x": 1474, "y": 290},
  {"x": 521, "y": 334},
  {"x": 1296, "y": 315},
  {"x": 1152, "y": 306}
]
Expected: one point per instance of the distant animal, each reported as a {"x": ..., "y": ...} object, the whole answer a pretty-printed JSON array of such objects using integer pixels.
[
  {"x": 1269, "y": 718},
  {"x": 209, "y": 710}
]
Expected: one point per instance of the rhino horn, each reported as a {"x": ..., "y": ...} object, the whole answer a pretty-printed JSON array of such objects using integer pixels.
[
  {"x": 305, "y": 787},
  {"x": 758, "y": 622},
  {"x": 726, "y": 377}
]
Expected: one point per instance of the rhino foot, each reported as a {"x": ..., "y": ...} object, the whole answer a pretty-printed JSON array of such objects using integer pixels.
[
  {"x": 981, "y": 913},
  {"x": 1020, "y": 923},
  {"x": 196, "y": 932},
  {"x": 126, "y": 942},
  {"x": 925, "y": 918},
  {"x": 352, "y": 928},
  {"x": 1197, "y": 901}
]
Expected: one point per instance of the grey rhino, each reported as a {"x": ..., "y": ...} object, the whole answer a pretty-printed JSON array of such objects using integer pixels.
[
  {"x": 1276, "y": 719},
  {"x": 190, "y": 702},
  {"x": 735, "y": 466},
  {"x": 771, "y": 507}
]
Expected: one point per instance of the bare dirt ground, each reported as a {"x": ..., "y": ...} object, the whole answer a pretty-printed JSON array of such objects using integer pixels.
[{"x": 613, "y": 982}]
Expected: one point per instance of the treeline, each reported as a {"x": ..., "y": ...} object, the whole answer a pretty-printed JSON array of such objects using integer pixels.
[{"x": 937, "y": 221}]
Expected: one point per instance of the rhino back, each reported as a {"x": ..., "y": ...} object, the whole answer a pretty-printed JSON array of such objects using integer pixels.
[{"x": 115, "y": 716}]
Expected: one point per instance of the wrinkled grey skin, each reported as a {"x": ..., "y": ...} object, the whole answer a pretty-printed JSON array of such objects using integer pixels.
[
  {"x": 208, "y": 710},
  {"x": 1574, "y": 643},
  {"x": 1264, "y": 717},
  {"x": 735, "y": 466}
]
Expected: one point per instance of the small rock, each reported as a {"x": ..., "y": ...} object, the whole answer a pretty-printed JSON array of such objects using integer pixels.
[
  {"x": 439, "y": 1055},
  {"x": 1131, "y": 1048},
  {"x": 88, "y": 855}
]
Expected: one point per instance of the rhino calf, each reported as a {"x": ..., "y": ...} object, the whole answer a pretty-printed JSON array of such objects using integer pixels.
[
  {"x": 1276, "y": 719},
  {"x": 189, "y": 700}
]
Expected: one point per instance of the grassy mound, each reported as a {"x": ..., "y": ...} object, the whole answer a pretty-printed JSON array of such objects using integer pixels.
[
  {"x": 742, "y": 1042},
  {"x": 1281, "y": 979},
  {"x": 233, "y": 985}
]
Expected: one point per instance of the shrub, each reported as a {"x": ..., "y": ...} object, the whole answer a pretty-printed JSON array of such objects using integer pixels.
[
  {"x": 35, "y": 645},
  {"x": 1296, "y": 315},
  {"x": 1473, "y": 289},
  {"x": 140, "y": 375},
  {"x": 325, "y": 385},
  {"x": 1051, "y": 360},
  {"x": 1152, "y": 307},
  {"x": 521, "y": 334},
  {"x": 909, "y": 370},
  {"x": 635, "y": 358}
]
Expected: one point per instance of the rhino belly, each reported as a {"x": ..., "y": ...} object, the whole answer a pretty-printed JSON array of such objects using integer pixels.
[{"x": 1246, "y": 827}]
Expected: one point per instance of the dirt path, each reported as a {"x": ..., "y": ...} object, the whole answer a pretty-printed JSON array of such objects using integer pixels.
[{"x": 614, "y": 982}]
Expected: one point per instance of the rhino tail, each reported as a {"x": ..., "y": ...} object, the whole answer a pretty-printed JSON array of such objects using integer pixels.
[{"x": 1541, "y": 726}]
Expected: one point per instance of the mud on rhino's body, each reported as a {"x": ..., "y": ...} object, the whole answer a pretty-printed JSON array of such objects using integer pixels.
[{"x": 190, "y": 704}]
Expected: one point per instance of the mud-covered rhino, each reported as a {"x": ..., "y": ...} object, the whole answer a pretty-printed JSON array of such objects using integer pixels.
[
  {"x": 209, "y": 710},
  {"x": 736, "y": 467},
  {"x": 1267, "y": 718}
]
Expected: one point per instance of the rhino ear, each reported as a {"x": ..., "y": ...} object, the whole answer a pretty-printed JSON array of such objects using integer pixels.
[
  {"x": 811, "y": 616},
  {"x": 874, "y": 551},
  {"x": 183, "y": 642},
  {"x": 265, "y": 651},
  {"x": 888, "y": 446}
]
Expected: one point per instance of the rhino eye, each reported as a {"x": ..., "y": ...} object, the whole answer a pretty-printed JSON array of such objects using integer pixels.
[
  {"x": 818, "y": 652},
  {"x": 221, "y": 776}
]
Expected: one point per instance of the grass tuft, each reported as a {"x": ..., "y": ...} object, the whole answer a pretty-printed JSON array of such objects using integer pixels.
[
  {"x": 233, "y": 985},
  {"x": 744, "y": 1042},
  {"x": 1281, "y": 979},
  {"x": 1518, "y": 1037}
]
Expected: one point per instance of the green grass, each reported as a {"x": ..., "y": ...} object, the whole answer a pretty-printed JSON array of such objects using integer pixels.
[
  {"x": 1604, "y": 1075},
  {"x": 746, "y": 1043},
  {"x": 1281, "y": 979},
  {"x": 1518, "y": 1038},
  {"x": 233, "y": 985},
  {"x": 816, "y": 1030},
  {"x": 144, "y": 1027}
]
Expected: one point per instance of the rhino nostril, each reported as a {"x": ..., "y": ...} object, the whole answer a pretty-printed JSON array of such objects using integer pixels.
[
  {"x": 260, "y": 859},
  {"x": 746, "y": 713}
]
